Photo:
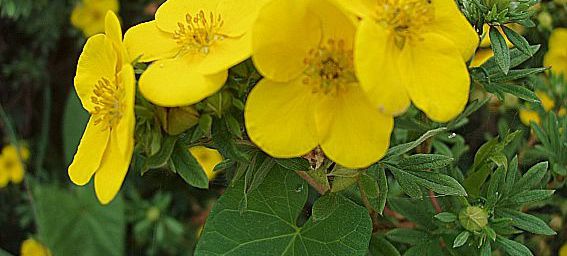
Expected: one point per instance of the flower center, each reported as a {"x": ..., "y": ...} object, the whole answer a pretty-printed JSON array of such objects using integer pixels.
[
  {"x": 405, "y": 18},
  {"x": 330, "y": 68},
  {"x": 108, "y": 103},
  {"x": 199, "y": 32}
]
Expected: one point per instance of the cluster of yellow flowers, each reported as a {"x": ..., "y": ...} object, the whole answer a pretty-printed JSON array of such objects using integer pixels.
[
  {"x": 12, "y": 166},
  {"x": 336, "y": 73}
]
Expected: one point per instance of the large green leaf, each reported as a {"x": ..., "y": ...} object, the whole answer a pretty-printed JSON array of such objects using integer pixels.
[
  {"x": 72, "y": 222},
  {"x": 268, "y": 225}
]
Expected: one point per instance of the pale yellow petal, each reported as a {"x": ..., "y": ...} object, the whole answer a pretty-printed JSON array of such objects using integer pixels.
[
  {"x": 89, "y": 153},
  {"x": 238, "y": 16},
  {"x": 377, "y": 70},
  {"x": 279, "y": 54},
  {"x": 112, "y": 170},
  {"x": 112, "y": 28},
  {"x": 437, "y": 78},
  {"x": 98, "y": 60},
  {"x": 452, "y": 24},
  {"x": 149, "y": 43},
  {"x": 481, "y": 56},
  {"x": 353, "y": 132},
  {"x": 335, "y": 24},
  {"x": 360, "y": 8},
  {"x": 172, "y": 83},
  {"x": 279, "y": 118},
  {"x": 172, "y": 12},
  {"x": 527, "y": 116}
]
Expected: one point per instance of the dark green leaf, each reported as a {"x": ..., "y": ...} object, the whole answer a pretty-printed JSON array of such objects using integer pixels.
[
  {"x": 531, "y": 178},
  {"x": 381, "y": 247},
  {"x": 326, "y": 205},
  {"x": 500, "y": 49},
  {"x": 163, "y": 155},
  {"x": 268, "y": 226},
  {"x": 188, "y": 168},
  {"x": 421, "y": 162},
  {"x": 260, "y": 173},
  {"x": 408, "y": 236},
  {"x": 461, "y": 239},
  {"x": 517, "y": 40},
  {"x": 527, "y": 222},
  {"x": 75, "y": 119},
  {"x": 419, "y": 211},
  {"x": 512, "y": 247},
  {"x": 437, "y": 182},
  {"x": 530, "y": 196},
  {"x": 404, "y": 148},
  {"x": 447, "y": 217},
  {"x": 294, "y": 164}
]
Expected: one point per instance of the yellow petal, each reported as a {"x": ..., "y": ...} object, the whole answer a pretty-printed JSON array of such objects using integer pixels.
[
  {"x": 32, "y": 247},
  {"x": 437, "y": 78},
  {"x": 17, "y": 172},
  {"x": 125, "y": 127},
  {"x": 207, "y": 158},
  {"x": 279, "y": 53},
  {"x": 172, "y": 83},
  {"x": 452, "y": 24},
  {"x": 112, "y": 170},
  {"x": 335, "y": 24},
  {"x": 112, "y": 27},
  {"x": 89, "y": 154},
  {"x": 4, "y": 175},
  {"x": 172, "y": 12},
  {"x": 527, "y": 116},
  {"x": 376, "y": 67},
  {"x": 354, "y": 133},
  {"x": 149, "y": 42},
  {"x": 546, "y": 101},
  {"x": 556, "y": 58},
  {"x": 360, "y": 8},
  {"x": 97, "y": 60},
  {"x": 279, "y": 118},
  {"x": 221, "y": 56},
  {"x": 557, "y": 39},
  {"x": 238, "y": 16},
  {"x": 481, "y": 56}
]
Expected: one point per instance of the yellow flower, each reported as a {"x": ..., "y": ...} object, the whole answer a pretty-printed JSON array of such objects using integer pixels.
[
  {"x": 310, "y": 95},
  {"x": 527, "y": 115},
  {"x": 414, "y": 49},
  {"x": 88, "y": 15},
  {"x": 563, "y": 250},
  {"x": 194, "y": 43},
  {"x": 481, "y": 56},
  {"x": 207, "y": 158},
  {"x": 556, "y": 57},
  {"x": 12, "y": 168},
  {"x": 105, "y": 84},
  {"x": 32, "y": 247}
]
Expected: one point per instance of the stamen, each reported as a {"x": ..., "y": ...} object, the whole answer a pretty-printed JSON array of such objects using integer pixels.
[
  {"x": 108, "y": 105},
  {"x": 330, "y": 68},
  {"x": 198, "y": 33},
  {"x": 405, "y": 18}
]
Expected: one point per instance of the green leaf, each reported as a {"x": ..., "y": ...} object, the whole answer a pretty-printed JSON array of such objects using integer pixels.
[
  {"x": 437, "y": 182},
  {"x": 513, "y": 75},
  {"x": 408, "y": 236},
  {"x": 517, "y": 40},
  {"x": 512, "y": 247},
  {"x": 326, "y": 206},
  {"x": 516, "y": 90},
  {"x": 517, "y": 57},
  {"x": 486, "y": 249},
  {"x": 527, "y": 222},
  {"x": 406, "y": 147},
  {"x": 497, "y": 180},
  {"x": 383, "y": 190},
  {"x": 407, "y": 183},
  {"x": 260, "y": 173},
  {"x": 184, "y": 164},
  {"x": 269, "y": 223},
  {"x": 461, "y": 239},
  {"x": 381, "y": 247},
  {"x": 421, "y": 162},
  {"x": 75, "y": 120},
  {"x": 531, "y": 178},
  {"x": 530, "y": 196},
  {"x": 511, "y": 177},
  {"x": 446, "y": 217},
  {"x": 163, "y": 155},
  {"x": 500, "y": 49},
  {"x": 224, "y": 142},
  {"x": 75, "y": 223},
  {"x": 294, "y": 164},
  {"x": 418, "y": 211}
]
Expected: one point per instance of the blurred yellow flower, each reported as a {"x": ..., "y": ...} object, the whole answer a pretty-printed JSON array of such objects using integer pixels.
[
  {"x": 414, "y": 49},
  {"x": 310, "y": 95},
  {"x": 207, "y": 158},
  {"x": 563, "y": 250},
  {"x": 105, "y": 84},
  {"x": 527, "y": 115},
  {"x": 12, "y": 168},
  {"x": 88, "y": 15},
  {"x": 32, "y": 247},
  {"x": 556, "y": 56},
  {"x": 194, "y": 43}
]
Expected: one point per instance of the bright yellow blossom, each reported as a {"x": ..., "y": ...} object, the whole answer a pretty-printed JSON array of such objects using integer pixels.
[
  {"x": 563, "y": 250},
  {"x": 528, "y": 115},
  {"x": 207, "y": 158},
  {"x": 32, "y": 247},
  {"x": 12, "y": 167},
  {"x": 413, "y": 49},
  {"x": 310, "y": 95},
  {"x": 194, "y": 43},
  {"x": 88, "y": 15},
  {"x": 105, "y": 84},
  {"x": 556, "y": 57}
]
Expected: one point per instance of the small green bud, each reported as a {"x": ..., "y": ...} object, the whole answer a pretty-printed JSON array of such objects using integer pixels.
[
  {"x": 153, "y": 214},
  {"x": 473, "y": 218},
  {"x": 177, "y": 120},
  {"x": 545, "y": 20}
]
